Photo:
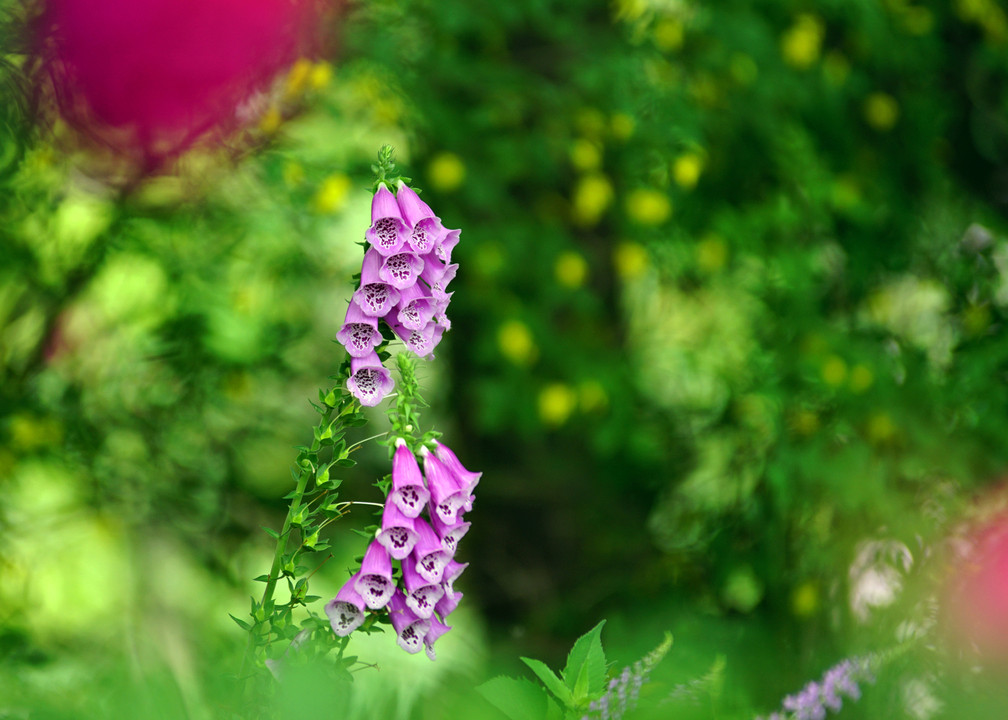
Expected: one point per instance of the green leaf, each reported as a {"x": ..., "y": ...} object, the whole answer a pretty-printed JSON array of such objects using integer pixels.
[
  {"x": 586, "y": 663},
  {"x": 241, "y": 623},
  {"x": 550, "y": 680},
  {"x": 272, "y": 533},
  {"x": 518, "y": 698}
]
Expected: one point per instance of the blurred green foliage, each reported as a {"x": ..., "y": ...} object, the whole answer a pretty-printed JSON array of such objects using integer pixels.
[{"x": 731, "y": 302}]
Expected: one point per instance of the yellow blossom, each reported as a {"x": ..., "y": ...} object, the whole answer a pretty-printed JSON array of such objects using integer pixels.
[
  {"x": 861, "y": 378},
  {"x": 297, "y": 78},
  {"x": 805, "y": 599},
  {"x": 271, "y": 120},
  {"x": 668, "y": 34},
  {"x": 804, "y": 422},
  {"x": 320, "y": 76},
  {"x": 585, "y": 155},
  {"x": 881, "y": 111},
  {"x": 571, "y": 269},
  {"x": 592, "y": 396},
  {"x": 556, "y": 403},
  {"x": 630, "y": 260},
  {"x": 622, "y": 126},
  {"x": 834, "y": 371},
  {"x": 800, "y": 44},
  {"x": 446, "y": 171},
  {"x": 881, "y": 428},
  {"x": 686, "y": 170},
  {"x": 711, "y": 253},
  {"x": 592, "y": 196},
  {"x": 332, "y": 193},
  {"x": 647, "y": 206},
  {"x": 515, "y": 342}
]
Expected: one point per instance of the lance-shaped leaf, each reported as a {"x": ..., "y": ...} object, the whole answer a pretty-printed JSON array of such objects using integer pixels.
[{"x": 554, "y": 684}]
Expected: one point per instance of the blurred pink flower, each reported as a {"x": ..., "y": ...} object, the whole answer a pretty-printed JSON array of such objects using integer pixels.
[
  {"x": 977, "y": 600},
  {"x": 150, "y": 77}
]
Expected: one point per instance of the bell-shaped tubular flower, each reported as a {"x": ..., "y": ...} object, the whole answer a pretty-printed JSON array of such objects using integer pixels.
[
  {"x": 447, "y": 495},
  {"x": 388, "y": 230},
  {"x": 426, "y": 229},
  {"x": 401, "y": 270},
  {"x": 375, "y": 296},
  {"x": 467, "y": 478},
  {"x": 431, "y": 557},
  {"x": 437, "y": 275},
  {"x": 359, "y": 334},
  {"x": 408, "y": 491},
  {"x": 397, "y": 534},
  {"x": 374, "y": 581},
  {"x": 415, "y": 310},
  {"x": 451, "y": 573},
  {"x": 410, "y": 629},
  {"x": 449, "y": 534},
  {"x": 421, "y": 595},
  {"x": 437, "y": 629},
  {"x": 419, "y": 342},
  {"x": 448, "y": 602},
  {"x": 443, "y": 249},
  {"x": 369, "y": 380},
  {"x": 346, "y": 610}
]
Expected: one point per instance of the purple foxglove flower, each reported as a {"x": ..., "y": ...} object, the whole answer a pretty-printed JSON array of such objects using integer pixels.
[
  {"x": 397, "y": 534},
  {"x": 443, "y": 249},
  {"x": 466, "y": 478},
  {"x": 415, "y": 310},
  {"x": 426, "y": 228},
  {"x": 375, "y": 296},
  {"x": 401, "y": 270},
  {"x": 437, "y": 629},
  {"x": 409, "y": 628},
  {"x": 447, "y": 496},
  {"x": 421, "y": 595},
  {"x": 388, "y": 231},
  {"x": 346, "y": 610},
  {"x": 451, "y": 573},
  {"x": 430, "y": 555},
  {"x": 449, "y": 534},
  {"x": 437, "y": 275},
  {"x": 359, "y": 334},
  {"x": 408, "y": 491},
  {"x": 419, "y": 342},
  {"x": 448, "y": 602},
  {"x": 369, "y": 380},
  {"x": 374, "y": 581}
]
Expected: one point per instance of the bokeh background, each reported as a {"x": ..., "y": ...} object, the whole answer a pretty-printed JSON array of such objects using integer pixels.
[{"x": 728, "y": 336}]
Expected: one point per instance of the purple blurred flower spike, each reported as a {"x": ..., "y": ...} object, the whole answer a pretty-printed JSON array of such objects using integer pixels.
[
  {"x": 421, "y": 595},
  {"x": 369, "y": 380},
  {"x": 437, "y": 629},
  {"x": 388, "y": 231},
  {"x": 447, "y": 495},
  {"x": 374, "y": 581},
  {"x": 408, "y": 491},
  {"x": 430, "y": 555},
  {"x": 346, "y": 610},
  {"x": 409, "y": 628},
  {"x": 359, "y": 334},
  {"x": 397, "y": 534}
]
